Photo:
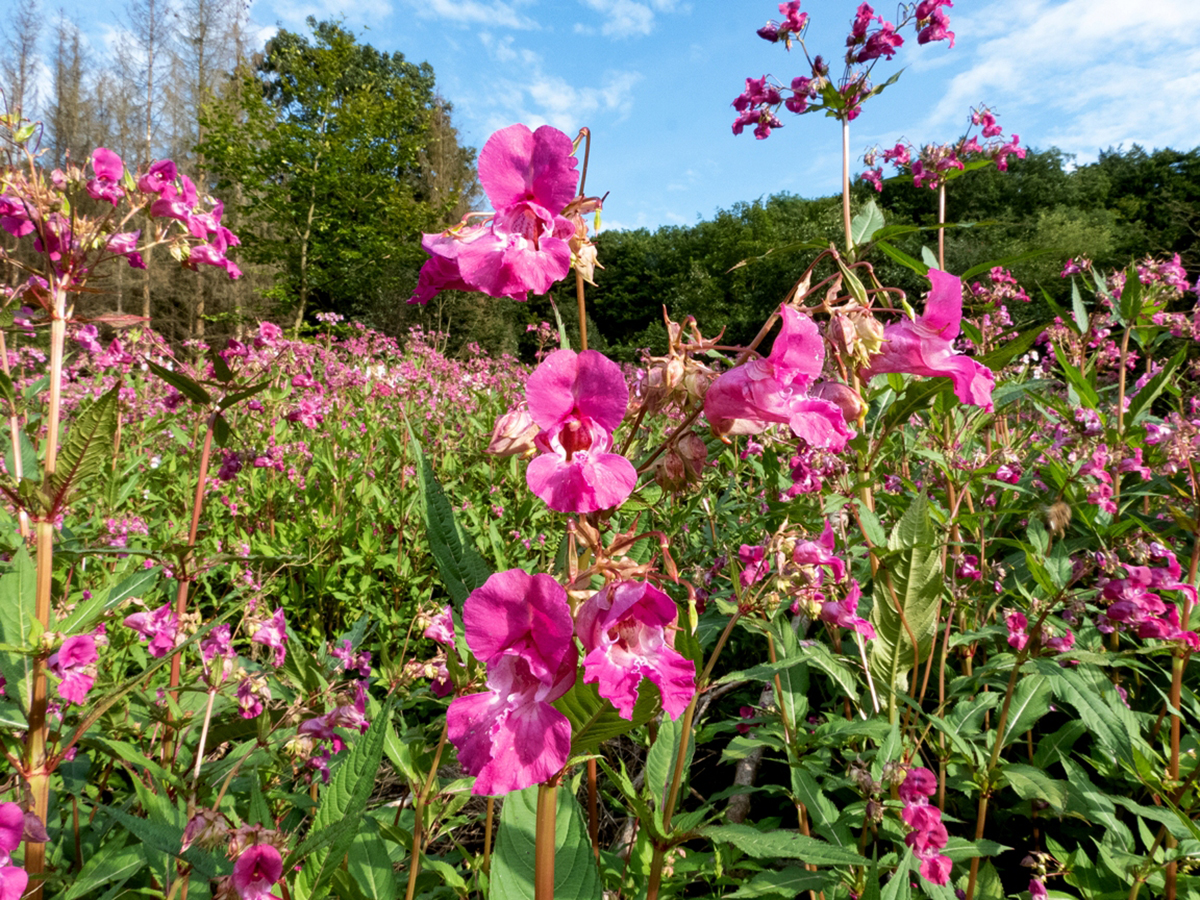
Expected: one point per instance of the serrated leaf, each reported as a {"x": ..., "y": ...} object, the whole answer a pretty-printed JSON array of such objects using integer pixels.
[
  {"x": 1031, "y": 701},
  {"x": 1132, "y": 295},
  {"x": 788, "y": 882},
  {"x": 1078, "y": 311},
  {"x": 340, "y": 808},
  {"x": 88, "y": 444},
  {"x": 370, "y": 866},
  {"x": 903, "y": 258},
  {"x": 575, "y": 873},
  {"x": 595, "y": 720},
  {"x": 114, "y": 862},
  {"x": 1034, "y": 784},
  {"x": 868, "y": 221},
  {"x": 461, "y": 567},
  {"x": 778, "y": 844},
  {"x": 906, "y": 589},
  {"x": 1148, "y": 394},
  {"x": 82, "y": 617}
]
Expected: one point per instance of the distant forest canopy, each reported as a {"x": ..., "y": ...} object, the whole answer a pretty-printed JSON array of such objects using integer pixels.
[{"x": 333, "y": 157}]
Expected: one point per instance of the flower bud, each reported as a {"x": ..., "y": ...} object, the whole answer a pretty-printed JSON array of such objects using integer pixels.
[
  {"x": 513, "y": 434},
  {"x": 842, "y": 396},
  {"x": 207, "y": 829}
]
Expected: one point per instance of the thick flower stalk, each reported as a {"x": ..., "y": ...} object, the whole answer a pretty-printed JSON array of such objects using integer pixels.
[{"x": 510, "y": 737}]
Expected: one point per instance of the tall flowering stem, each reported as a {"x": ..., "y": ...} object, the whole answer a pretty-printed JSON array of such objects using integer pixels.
[
  {"x": 543, "y": 854},
  {"x": 846, "y": 183}
]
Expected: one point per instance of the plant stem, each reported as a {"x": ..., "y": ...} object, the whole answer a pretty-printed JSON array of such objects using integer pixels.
[
  {"x": 419, "y": 801},
  {"x": 487, "y": 835},
  {"x": 35, "y": 748},
  {"x": 593, "y": 809},
  {"x": 846, "y": 183},
  {"x": 1177, "y": 664},
  {"x": 543, "y": 854},
  {"x": 656, "y": 862},
  {"x": 941, "y": 229},
  {"x": 1120, "y": 411},
  {"x": 14, "y": 433},
  {"x": 579, "y": 296}
]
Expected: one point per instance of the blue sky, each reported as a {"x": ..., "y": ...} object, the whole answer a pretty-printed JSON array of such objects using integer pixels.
[{"x": 653, "y": 80}]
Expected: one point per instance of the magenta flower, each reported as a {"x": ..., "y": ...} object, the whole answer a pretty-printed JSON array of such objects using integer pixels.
[
  {"x": 13, "y": 881},
  {"x": 256, "y": 871},
  {"x": 108, "y": 168},
  {"x": 578, "y": 400},
  {"x": 12, "y": 826},
  {"x": 441, "y": 627},
  {"x": 529, "y": 177},
  {"x": 1018, "y": 630},
  {"x": 820, "y": 553},
  {"x": 273, "y": 634},
  {"x": 628, "y": 633},
  {"x": 918, "y": 786},
  {"x": 844, "y": 612},
  {"x": 747, "y": 399},
  {"x": 510, "y": 737},
  {"x": 74, "y": 664},
  {"x": 252, "y": 692},
  {"x": 160, "y": 627},
  {"x": 926, "y": 346},
  {"x": 158, "y": 177}
]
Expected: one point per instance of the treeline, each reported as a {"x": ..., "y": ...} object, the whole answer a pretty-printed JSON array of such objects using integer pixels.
[
  {"x": 1124, "y": 206},
  {"x": 331, "y": 157}
]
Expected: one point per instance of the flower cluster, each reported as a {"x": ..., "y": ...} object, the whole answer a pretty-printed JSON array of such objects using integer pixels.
[
  {"x": 13, "y": 879},
  {"x": 928, "y": 835},
  {"x": 1133, "y": 604},
  {"x": 871, "y": 38},
  {"x": 935, "y": 164},
  {"x": 521, "y": 628},
  {"x": 530, "y": 179}
]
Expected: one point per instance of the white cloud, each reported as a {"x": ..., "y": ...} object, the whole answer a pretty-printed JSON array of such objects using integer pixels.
[
  {"x": 493, "y": 14},
  {"x": 629, "y": 18},
  {"x": 1079, "y": 74},
  {"x": 293, "y": 14}
]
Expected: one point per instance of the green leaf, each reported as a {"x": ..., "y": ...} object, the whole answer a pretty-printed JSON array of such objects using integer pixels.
[
  {"x": 1078, "y": 311},
  {"x": 1132, "y": 295},
  {"x": 461, "y": 567},
  {"x": 909, "y": 582},
  {"x": 575, "y": 873},
  {"x": 595, "y": 720},
  {"x": 181, "y": 383},
  {"x": 1002, "y": 356},
  {"x": 29, "y": 468},
  {"x": 1055, "y": 747},
  {"x": 778, "y": 844},
  {"x": 868, "y": 221},
  {"x": 340, "y": 809},
  {"x": 564, "y": 342},
  {"x": 1035, "y": 784},
  {"x": 87, "y": 446},
  {"x": 114, "y": 862},
  {"x": 789, "y": 882},
  {"x": 660, "y": 764},
  {"x": 1148, "y": 394},
  {"x": 19, "y": 626},
  {"x": 1031, "y": 701},
  {"x": 1099, "y": 707},
  {"x": 1083, "y": 388},
  {"x": 83, "y": 616},
  {"x": 929, "y": 258},
  {"x": 369, "y": 864},
  {"x": 903, "y": 258},
  {"x": 232, "y": 399}
]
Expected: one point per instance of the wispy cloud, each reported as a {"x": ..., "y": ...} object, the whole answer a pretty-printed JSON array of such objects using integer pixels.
[
  {"x": 293, "y": 14},
  {"x": 1119, "y": 85},
  {"x": 627, "y": 18},
  {"x": 492, "y": 14},
  {"x": 538, "y": 97}
]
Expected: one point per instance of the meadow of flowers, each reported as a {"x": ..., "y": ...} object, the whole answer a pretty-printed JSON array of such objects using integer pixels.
[{"x": 896, "y": 600}]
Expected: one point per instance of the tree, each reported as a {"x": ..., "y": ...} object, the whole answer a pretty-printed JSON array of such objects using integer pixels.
[
  {"x": 331, "y": 142},
  {"x": 19, "y": 58}
]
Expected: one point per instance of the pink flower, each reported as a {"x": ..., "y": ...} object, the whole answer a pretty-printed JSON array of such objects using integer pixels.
[
  {"x": 12, "y": 826},
  {"x": 755, "y": 565},
  {"x": 273, "y": 634},
  {"x": 513, "y": 434},
  {"x": 747, "y": 399},
  {"x": 1037, "y": 889},
  {"x": 441, "y": 629},
  {"x": 74, "y": 664},
  {"x": 108, "y": 168},
  {"x": 844, "y": 612},
  {"x": 1018, "y": 636},
  {"x": 160, "y": 627},
  {"x": 13, "y": 881},
  {"x": 918, "y": 786},
  {"x": 256, "y": 871},
  {"x": 510, "y": 737},
  {"x": 926, "y": 346},
  {"x": 820, "y": 553},
  {"x": 628, "y": 633},
  {"x": 158, "y": 177},
  {"x": 936, "y": 868},
  {"x": 529, "y": 177},
  {"x": 252, "y": 693},
  {"x": 578, "y": 400}
]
